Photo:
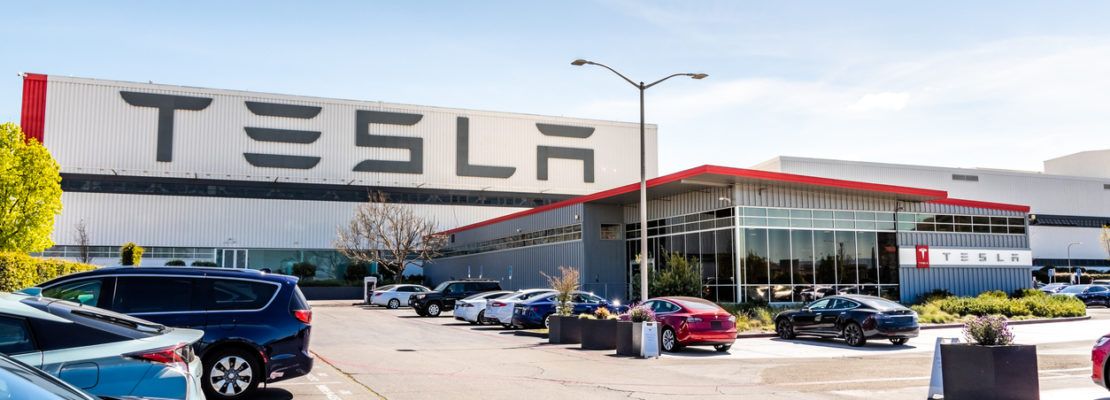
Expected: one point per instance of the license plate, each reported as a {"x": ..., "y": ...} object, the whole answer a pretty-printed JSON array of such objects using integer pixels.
[{"x": 715, "y": 324}]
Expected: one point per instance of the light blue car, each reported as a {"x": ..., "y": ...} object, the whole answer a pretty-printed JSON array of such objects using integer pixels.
[{"x": 99, "y": 351}]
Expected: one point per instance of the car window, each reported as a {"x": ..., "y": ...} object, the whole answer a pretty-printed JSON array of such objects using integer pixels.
[
  {"x": 1096, "y": 289},
  {"x": 844, "y": 304},
  {"x": 820, "y": 304},
  {"x": 455, "y": 288},
  {"x": 664, "y": 307},
  {"x": 15, "y": 337},
  {"x": 232, "y": 294},
  {"x": 487, "y": 286},
  {"x": 154, "y": 294},
  {"x": 386, "y": 288},
  {"x": 699, "y": 306},
  {"x": 420, "y": 289},
  {"x": 85, "y": 291},
  {"x": 442, "y": 286},
  {"x": 405, "y": 289},
  {"x": 1074, "y": 289}
]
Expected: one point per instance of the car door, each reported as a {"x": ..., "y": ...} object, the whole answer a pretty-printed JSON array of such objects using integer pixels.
[
  {"x": 403, "y": 294},
  {"x": 1096, "y": 295},
  {"x": 805, "y": 318},
  {"x": 824, "y": 319},
  {"x": 833, "y": 318},
  {"x": 176, "y": 301},
  {"x": 452, "y": 293}
]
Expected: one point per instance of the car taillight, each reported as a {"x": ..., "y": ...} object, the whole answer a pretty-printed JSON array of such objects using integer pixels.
[
  {"x": 303, "y": 315},
  {"x": 498, "y": 304},
  {"x": 180, "y": 354},
  {"x": 376, "y": 294}
]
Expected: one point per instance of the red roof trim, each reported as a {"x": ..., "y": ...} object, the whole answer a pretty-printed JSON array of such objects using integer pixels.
[
  {"x": 33, "y": 118},
  {"x": 982, "y": 204},
  {"x": 713, "y": 169}
]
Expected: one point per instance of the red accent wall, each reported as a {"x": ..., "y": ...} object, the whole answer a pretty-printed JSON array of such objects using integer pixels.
[{"x": 33, "y": 119}]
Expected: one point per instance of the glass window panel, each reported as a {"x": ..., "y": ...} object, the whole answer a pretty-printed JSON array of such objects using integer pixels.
[
  {"x": 726, "y": 271},
  {"x": 865, "y": 225},
  {"x": 708, "y": 257},
  {"x": 756, "y": 221},
  {"x": 724, "y": 212},
  {"x": 825, "y": 257},
  {"x": 945, "y": 228},
  {"x": 963, "y": 228},
  {"x": 885, "y": 225},
  {"x": 821, "y": 223},
  {"x": 779, "y": 256},
  {"x": 924, "y": 227},
  {"x": 866, "y": 216},
  {"x": 962, "y": 219},
  {"x": 839, "y": 224},
  {"x": 822, "y": 214},
  {"x": 801, "y": 214},
  {"x": 755, "y": 212},
  {"x": 981, "y": 229},
  {"x": 907, "y": 217},
  {"x": 998, "y": 221},
  {"x": 903, "y": 226},
  {"x": 724, "y": 223},
  {"x": 890, "y": 292},
  {"x": 1017, "y": 221},
  {"x": 846, "y": 258},
  {"x": 999, "y": 229},
  {"x": 845, "y": 215},
  {"x": 926, "y": 217},
  {"x": 887, "y": 245},
  {"x": 865, "y": 258},
  {"x": 755, "y": 258},
  {"x": 884, "y": 216},
  {"x": 782, "y": 293},
  {"x": 801, "y": 256},
  {"x": 944, "y": 219},
  {"x": 705, "y": 225},
  {"x": 778, "y": 213},
  {"x": 1017, "y": 229},
  {"x": 778, "y": 222},
  {"x": 726, "y": 294},
  {"x": 801, "y": 223},
  {"x": 980, "y": 220},
  {"x": 757, "y": 293}
]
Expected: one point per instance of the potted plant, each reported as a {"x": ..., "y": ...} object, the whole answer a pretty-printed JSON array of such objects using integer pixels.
[
  {"x": 599, "y": 331},
  {"x": 989, "y": 365},
  {"x": 562, "y": 327},
  {"x": 630, "y": 329}
]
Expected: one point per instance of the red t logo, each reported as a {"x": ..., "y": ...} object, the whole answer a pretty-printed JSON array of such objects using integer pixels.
[{"x": 922, "y": 254}]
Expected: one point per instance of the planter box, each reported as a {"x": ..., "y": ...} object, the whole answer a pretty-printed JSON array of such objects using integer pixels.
[
  {"x": 332, "y": 292},
  {"x": 599, "y": 334},
  {"x": 628, "y": 338},
  {"x": 564, "y": 330},
  {"x": 989, "y": 372}
]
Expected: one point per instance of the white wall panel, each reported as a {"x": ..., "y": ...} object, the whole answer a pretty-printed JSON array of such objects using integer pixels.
[{"x": 179, "y": 221}]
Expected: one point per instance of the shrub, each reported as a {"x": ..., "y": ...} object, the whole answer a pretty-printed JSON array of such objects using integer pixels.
[
  {"x": 356, "y": 272},
  {"x": 19, "y": 271},
  {"x": 175, "y": 263},
  {"x": 994, "y": 294},
  {"x": 586, "y": 316},
  {"x": 204, "y": 264},
  {"x": 988, "y": 331},
  {"x": 564, "y": 285},
  {"x": 935, "y": 294},
  {"x": 1029, "y": 305},
  {"x": 641, "y": 314},
  {"x": 604, "y": 313},
  {"x": 304, "y": 269},
  {"x": 679, "y": 278},
  {"x": 131, "y": 254},
  {"x": 1023, "y": 293}
]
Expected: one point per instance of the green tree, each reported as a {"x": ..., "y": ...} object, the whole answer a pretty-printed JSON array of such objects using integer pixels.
[
  {"x": 681, "y": 277},
  {"x": 131, "y": 254},
  {"x": 30, "y": 192}
]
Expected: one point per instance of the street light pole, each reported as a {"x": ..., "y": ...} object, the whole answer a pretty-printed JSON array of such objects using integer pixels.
[
  {"x": 643, "y": 166},
  {"x": 1069, "y": 261}
]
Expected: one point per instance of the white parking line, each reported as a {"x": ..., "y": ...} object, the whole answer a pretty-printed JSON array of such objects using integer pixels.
[{"x": 328, "y": 393}]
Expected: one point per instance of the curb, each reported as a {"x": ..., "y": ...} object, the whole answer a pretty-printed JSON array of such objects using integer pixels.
[
  {"x": 941, "y": 326},
  {"x": 530, "y": 334}
]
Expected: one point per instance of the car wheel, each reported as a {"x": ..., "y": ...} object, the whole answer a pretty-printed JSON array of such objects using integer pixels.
[
  {"x": 507, "y": 326},
  {"x": 433, "y": 310},
  {"x": 899, "y": 341},
  {"x": 393, "y": 304},
  {"x": 785, "y": 329},
  {"x": 481, "y": 317},
  {"x": 853, "y": 334},
  {"x": 721, "y": 348},
  {"x": 421, "y": 313},
  {"x": 230, "y": 374},
  {"x": 547, "y": 321},
  {"x": 670, "y": 342}
]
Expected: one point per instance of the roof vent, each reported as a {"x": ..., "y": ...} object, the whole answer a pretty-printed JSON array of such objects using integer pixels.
[{"x": 967, "y": 178}]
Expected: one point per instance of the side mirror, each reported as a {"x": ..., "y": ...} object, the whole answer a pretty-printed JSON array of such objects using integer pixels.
[{"x": 805, "y": 309}]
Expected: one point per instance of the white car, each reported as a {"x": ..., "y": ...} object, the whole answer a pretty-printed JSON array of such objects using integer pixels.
[
  {"x": 473, "y": 309},
  {"x": 500, "y": 311},
  {"x": 393, "y": 296}
]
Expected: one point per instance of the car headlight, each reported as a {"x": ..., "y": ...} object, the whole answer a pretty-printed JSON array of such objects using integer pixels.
[
  {"x": 421, "y": 296},
  {"x": 1101, "y": 341}
]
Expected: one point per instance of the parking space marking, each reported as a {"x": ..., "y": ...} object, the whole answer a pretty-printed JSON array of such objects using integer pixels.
[{"x": 328, "y": 392}]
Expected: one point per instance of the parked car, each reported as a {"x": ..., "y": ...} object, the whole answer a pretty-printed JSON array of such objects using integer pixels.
[
  {"x": 1101, "y": 282},
  {"x": 690, "y": 321},
  {"x": 1053, "y": 288},
  {"x": 256, "y": 325},
  {"x": 473, "y": 309},
  {"x": 1091, "y": 295},
  {"x": 99, "y": 351},
  {"x": 856, "y": 318},
  {"x": 500, "y": 311},
  {"x": 534, "y": 313},
  {"x": 22, "y": 381},
  {"x": 1099, "y": 355},
  {"x": 444, "y": 296},
  {"x": 394, "y": 296}
]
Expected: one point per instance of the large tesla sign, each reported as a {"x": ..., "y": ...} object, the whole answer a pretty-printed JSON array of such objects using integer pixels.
[{"x": 922, "y": 256}]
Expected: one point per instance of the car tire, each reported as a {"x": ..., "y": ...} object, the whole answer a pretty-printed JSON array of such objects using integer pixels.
[
  {"x": 507, "y": 326},
  {"x": 785, "y": 329},
  {"x": 481, "y": 317},
  {"x": 393, "y": 304},
  {"x": 853, "y": 334},
  {"x": 668, "y": 341},
  {"x": 547, "y": 321},
  {"x": 229, "y": 385},
  {"x": 899, "y": 341},
  {"x": 721, "y": 348},
  {"x": 420, "y": 312},
  {"x": 433, "y": 310}
]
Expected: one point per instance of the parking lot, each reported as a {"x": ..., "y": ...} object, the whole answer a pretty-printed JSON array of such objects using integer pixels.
[{"x": 379, "y": 353}]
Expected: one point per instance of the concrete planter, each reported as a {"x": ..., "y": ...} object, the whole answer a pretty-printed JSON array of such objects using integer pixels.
[
  {"x": 628, "y": 338},
  {"x": 332, "y": 292},
  {"x": 564, "y": 330},
  {"x": 989, "y": 372},
  {"x": 599, "y": 334}
]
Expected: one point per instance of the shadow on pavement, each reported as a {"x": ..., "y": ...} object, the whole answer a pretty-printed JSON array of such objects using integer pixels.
[
  {"x": 271, "y": 393},
  {"x": 873, "y": 345}
]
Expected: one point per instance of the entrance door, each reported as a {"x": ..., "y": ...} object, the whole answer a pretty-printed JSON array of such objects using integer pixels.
[{"x": 234, "y": 258}]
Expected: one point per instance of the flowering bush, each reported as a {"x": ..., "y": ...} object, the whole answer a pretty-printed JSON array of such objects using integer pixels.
[
  {"x": 988, "y": 331},
  {"x": 586, "y": 316},
  {"x": 641, "y": 314},
  {"x": 604, "y": 313}
]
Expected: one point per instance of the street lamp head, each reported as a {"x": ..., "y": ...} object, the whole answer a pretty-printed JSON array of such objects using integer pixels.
[
  {"x": 699, "y": 76},
  {"x": 579, "y": 62}
]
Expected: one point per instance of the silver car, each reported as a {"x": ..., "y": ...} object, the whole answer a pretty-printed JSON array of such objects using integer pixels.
[{"x": 99, "y": 351}]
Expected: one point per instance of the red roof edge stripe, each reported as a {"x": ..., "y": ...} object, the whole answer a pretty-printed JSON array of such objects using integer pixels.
[
  {"x": 33, "y": 117},
  {"x": 719, "y": 170},
  {"x": 982, "y": 204}
]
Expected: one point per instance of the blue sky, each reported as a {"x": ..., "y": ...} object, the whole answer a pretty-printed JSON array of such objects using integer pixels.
[{"x": 990, "y": 84}]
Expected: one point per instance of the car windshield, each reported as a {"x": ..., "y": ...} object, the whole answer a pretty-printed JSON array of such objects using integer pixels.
[
  {"x": 442, "y": 286},
  {"x": 698, "y": 306},
  {"x": 1074, "y": 289},
  {"x": 880, "y": 304}
]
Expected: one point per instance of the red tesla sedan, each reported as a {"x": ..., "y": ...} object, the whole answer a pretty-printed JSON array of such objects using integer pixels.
[
  {"x": 1099, "y": 355},
  {"x": 690, "y": 321}
]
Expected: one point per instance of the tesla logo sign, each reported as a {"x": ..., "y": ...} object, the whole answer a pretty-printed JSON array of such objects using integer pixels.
[{"x": 921, "y": 252}]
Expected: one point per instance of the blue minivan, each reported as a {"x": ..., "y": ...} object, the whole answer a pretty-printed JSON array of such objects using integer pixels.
[{"x": 256, "y": 325}]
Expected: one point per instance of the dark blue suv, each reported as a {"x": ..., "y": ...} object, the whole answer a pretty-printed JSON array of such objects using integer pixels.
[
  {"x": 256, "y": 325},
  {"x": 533, "y": 313}
]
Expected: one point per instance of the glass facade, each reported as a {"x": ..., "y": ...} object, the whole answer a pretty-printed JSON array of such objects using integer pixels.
[{"x": 778, "y": 254}]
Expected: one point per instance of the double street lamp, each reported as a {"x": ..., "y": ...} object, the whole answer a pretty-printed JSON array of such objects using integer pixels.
[{"x": 643, "y": 168}]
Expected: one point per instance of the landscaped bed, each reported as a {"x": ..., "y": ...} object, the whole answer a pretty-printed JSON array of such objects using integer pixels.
[{"x": 943, "y": 308}]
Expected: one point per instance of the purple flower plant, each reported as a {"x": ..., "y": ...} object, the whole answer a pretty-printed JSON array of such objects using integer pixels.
[
  {"x": 988, "y": 331},
  {"x": 641, "y": 314}
]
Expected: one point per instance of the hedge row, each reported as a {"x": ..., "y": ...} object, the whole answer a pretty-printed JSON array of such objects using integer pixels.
[
  {"x": 19, "y": 271},
  {"x": 1029, "y": 303}
]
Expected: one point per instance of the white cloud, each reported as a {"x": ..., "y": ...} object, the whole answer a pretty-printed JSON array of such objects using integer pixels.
[{"x": 885, "y": 101}]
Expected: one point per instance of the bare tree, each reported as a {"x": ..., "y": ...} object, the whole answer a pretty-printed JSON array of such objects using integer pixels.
[
  {"x": 388, "y": 234},
  {"x": 82, "y": 238},
  {"x": 1105, "y": 239}
]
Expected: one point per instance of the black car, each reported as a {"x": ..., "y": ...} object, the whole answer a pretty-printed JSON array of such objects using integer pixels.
[
  {"x": 856, "y": 318},
  {"x": 443, "y": 297},
  {"x": 258, "y": 321},
  {"x": 1091, "y": 295}
]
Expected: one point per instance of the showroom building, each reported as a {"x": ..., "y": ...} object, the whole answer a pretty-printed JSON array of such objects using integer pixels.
[
  {"x": 756, "y": 235},
  {"x": 259, "y": 180}
]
